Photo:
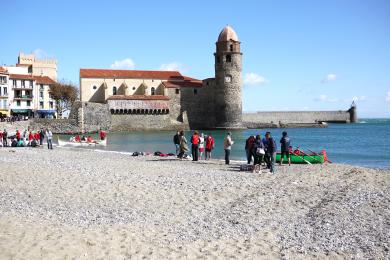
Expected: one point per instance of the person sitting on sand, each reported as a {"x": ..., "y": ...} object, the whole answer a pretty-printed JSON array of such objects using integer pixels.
[{"x": 89, "y": 139}]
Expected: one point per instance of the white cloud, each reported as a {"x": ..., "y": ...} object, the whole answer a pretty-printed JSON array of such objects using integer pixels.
[
  {"x": 123, "y": 64},
  {"x": 253, "y": 78},
  {"x": 325, "y": 98},
  {"x": 361, "y": 98},
  {"x": 329, "y": 77},
  {"x": 40, "y": 54},
  {"x": 173, "y": 66},
  {"x": 387, "y": 98}
]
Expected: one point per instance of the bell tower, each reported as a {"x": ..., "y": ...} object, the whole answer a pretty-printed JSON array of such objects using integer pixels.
[{"x": 228, "y": 66}]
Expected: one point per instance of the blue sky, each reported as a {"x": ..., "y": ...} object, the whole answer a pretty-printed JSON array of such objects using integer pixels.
[{"x": 298, "y": 55}]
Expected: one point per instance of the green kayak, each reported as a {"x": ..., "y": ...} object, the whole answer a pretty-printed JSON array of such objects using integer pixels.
[{"x": 305, "y": 158}]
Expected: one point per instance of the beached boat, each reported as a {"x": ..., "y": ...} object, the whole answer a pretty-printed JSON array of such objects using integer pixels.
[
  {"x": 82, "y": 143},
  {"x": 304, "y": 158}
]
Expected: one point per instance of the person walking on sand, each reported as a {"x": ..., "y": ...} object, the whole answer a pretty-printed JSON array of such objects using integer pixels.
[
  {"x": 176, "y": 142},
  {"x": 183, "y": 145},
  {"x": 271, "y": 152},
  {"x": 209, "y": 146},
  {"x": 195, "y": 146},
  {"x": 49, "y": 137},
  {"x": 285, "y": 144},
  {"x": 227, "y": 145},
  {"x": 249, "y": 148},
  {"x": 201, "y": 145}
]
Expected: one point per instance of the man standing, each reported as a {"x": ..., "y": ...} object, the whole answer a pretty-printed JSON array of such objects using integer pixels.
[
  {"x": 5, "y": 136},
  {"x": 49, "y": 137},
  {"x": 248, "y": 148},
  {"x": 41, "y": 136},
  {"x": 176, "y": 141},
  {"x": 285, "y": 148},
  {"x": 227, "y": 145},
  {"x": 195, "y": 146},
  {"x": 271, "y": 152},
  {"x": 209, "y": 146}
]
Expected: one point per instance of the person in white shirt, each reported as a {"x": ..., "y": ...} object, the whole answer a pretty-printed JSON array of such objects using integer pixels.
[
  {"x": 227, "y": 145},
  {"x": 49, "y": 137}
]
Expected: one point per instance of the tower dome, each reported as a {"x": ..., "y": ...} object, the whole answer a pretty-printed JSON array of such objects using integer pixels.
[{"x": 227, "y": 34}]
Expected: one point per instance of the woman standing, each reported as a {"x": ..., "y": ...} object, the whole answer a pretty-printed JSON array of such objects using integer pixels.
[
  {"x": 183, "y": 145},
  {"x": 201, "y": 145},
  {"x": 258, "y": 151}
]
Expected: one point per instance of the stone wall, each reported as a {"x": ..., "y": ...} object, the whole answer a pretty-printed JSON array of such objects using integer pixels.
[
  {"x": 12, "y": 127},
  {"x": 125, "y": 122},
  {"x": 304, "y": 117},
  {"x": 57, "y": 126}
]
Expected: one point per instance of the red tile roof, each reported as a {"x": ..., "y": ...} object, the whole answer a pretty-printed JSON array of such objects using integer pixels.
[
  {"x": 3, "y": 70},
  {"x": 189, "y": 82},
  {"x": 138, "y": 97},
  {"x": 23, "y": 65},
  {"x": 141, "y": 74},
  {"x": 44, "y": 80},
  {"x": 21, "y": 76}
]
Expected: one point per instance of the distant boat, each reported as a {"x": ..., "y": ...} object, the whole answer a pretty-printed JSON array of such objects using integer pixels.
[{"x": 82, "y": 143}]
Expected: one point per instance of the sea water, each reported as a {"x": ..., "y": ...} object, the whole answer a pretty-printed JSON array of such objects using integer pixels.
[{"x": 365, "y": 143}]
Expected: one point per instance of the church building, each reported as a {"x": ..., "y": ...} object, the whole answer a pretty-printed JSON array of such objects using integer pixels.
[{"x": 139, "y": 99}]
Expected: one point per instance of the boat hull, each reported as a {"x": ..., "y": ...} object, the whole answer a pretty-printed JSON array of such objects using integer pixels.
[
  {"x": 302, "y": 159},
  {"x": 85, "y": 144}
]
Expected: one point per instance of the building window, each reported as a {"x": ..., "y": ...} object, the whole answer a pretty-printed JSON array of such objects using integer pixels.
[
  {"x": 228, "y": 58},
  {"x": 114, "y": 90},
  {"x": 5, "y": 91},
  {"x": 18, "y": 93},
  {"x": 195, "y": 91},
  {"x": 3, "y": 80},
  {"x": 41, "y": 105},
  {"x": 41, "y": 94},
  {"x": 41, "y": 87},
  {"x": 177, "y": 91},
  {"x": 28, "y": 103},
  {"x": 228, "y": 78},
  {"x": 23, "y": 83},
  {"x": 14, "y": 83},
  {"x": 18, "y": 103},
  {"x": 231, "y": 47},
  {"x": 94, "y": 87},
  {"x": 153, "y": 91},
  {"x": 51, "y": 104},
  {"x": 31, "y": 83},
  {"x": 27, "y": 93}
]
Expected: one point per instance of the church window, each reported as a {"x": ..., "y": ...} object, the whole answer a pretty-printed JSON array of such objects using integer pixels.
[
  {"x": 228, "y": 58},
  {"x": 231, "y": 47},
  {"x": 114, "y": 90},
  {"x": 153, "y": 91},
  {"x": 94, "y": 87},
  {"x": 177, "y": 91},
  {"x": 195, "y": 91}
]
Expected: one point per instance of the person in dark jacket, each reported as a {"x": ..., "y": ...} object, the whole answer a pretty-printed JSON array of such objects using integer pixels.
[
  {"x": 265, "y": 143},
  {"x": 176, "y": 141},
  {"x": 271, "y": 152},
  {"x": 249, "y": 148},
  {"x": 41, "y": 136},
  {"x": 285, "y": 144},
  {"x": 258, "y": 152}
]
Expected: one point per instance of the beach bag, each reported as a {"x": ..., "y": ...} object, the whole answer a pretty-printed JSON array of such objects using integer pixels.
[{"x": 260, "y": 151}]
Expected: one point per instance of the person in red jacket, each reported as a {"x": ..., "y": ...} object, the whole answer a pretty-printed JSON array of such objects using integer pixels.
[
  {"x": 89, "y": 139},
  {"x": 195, "y": 146},
  {"x": 77, "y": 138},
  {"x": 102, "y": 134},
  {"x": 209, "y": 146},
  {"x": 17, "y": 135}
]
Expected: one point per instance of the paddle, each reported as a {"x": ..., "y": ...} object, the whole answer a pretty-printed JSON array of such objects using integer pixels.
[
  {"x": 310, "y": 156},
  {"x": 327, "y": 160}
]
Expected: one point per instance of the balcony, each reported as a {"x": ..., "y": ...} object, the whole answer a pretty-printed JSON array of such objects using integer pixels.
[
  {"x": 22, "y": 87},
  {"x": 5, "y": 95},
  {"x": 23, "y": 97}
]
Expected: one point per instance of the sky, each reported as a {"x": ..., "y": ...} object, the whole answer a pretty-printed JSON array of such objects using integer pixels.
[{"x": 297, "y": 55}]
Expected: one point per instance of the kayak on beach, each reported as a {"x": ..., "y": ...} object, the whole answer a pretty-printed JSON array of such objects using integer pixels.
[{"x": 82, "y": 143}]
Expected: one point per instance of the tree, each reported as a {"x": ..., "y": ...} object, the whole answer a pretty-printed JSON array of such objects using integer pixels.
[{"x": 65, "y": 94}]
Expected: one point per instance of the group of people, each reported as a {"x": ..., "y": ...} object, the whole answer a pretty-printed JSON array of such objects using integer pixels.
[
  {"x": 260, "y": 150},
  {"x": 264, "y": 150},
  {"x": 88, "y": 139},
  {"x": 26, "y": 138},
  {"x": 199, "y": 144}
]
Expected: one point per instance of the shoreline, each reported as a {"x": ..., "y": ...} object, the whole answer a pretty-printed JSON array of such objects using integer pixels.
[{"x": 66, "y": 203}]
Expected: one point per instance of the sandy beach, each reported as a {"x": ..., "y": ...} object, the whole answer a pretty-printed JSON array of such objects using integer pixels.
[{"x": 84, "y": 204}]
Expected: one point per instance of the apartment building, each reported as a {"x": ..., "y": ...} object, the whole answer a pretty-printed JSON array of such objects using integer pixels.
[{"x": 4, "y": 79}]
